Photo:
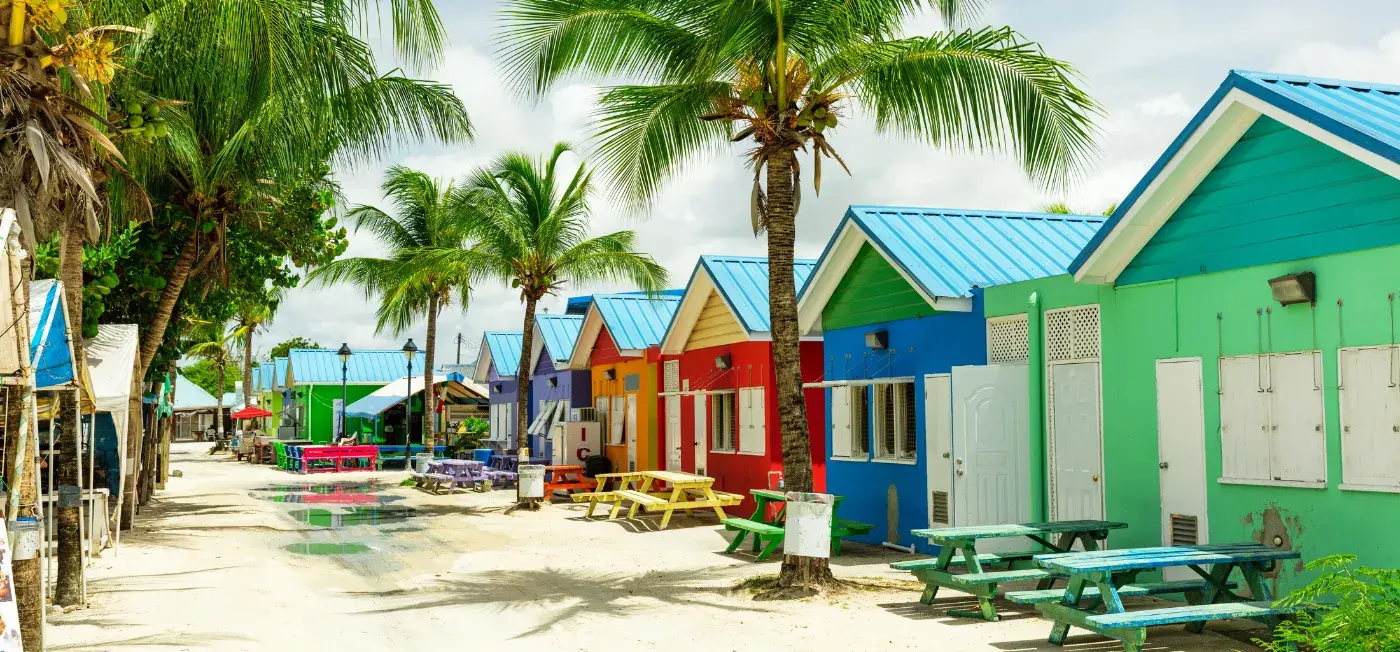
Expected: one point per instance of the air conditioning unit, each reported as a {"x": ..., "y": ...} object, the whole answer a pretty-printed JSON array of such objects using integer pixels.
[{"x": 583, "y": 414}]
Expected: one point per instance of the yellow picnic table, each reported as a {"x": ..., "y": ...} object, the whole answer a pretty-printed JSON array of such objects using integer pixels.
[{"x": 687, "y": 491}]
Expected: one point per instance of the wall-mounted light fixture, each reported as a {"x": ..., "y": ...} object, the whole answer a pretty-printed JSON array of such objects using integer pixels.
[
  {"x": 553, "y": 381},
  {"x": 610, "y": 374},
  {"x": 723, "y": 361},
  {"x": 878, "y": 339},
  {"x": 1294, "y": 288}
]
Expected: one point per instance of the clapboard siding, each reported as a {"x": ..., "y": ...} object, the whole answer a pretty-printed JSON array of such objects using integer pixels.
[
  {"x": 1278, "y": 195},
  {"x": 715, "y": 325},
  {"x": 872, "y": 291}
]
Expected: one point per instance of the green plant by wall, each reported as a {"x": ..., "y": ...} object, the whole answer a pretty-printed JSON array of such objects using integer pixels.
[{"x": 1349, "y": 609}]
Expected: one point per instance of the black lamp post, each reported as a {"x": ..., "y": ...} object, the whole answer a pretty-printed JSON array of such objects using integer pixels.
[
  {"x": 344, "y": 354},
  {"x": 409, "y": 350}
]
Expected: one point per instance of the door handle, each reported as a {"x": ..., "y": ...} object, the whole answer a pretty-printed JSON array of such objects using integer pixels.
[
  {"x": 959, "y": 472},
  {"x": 1095, "y": 478},
  {"x": 1163, "y": 465},
  {"x": 958, "y": 461}
]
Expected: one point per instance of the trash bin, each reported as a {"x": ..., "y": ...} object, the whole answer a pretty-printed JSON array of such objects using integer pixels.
[
  {"x": 532, "y": 481},
  {"x": 808, "y": 524},
  {"x": 423, "y": 461},
  {"x": 24, "y": 538}
]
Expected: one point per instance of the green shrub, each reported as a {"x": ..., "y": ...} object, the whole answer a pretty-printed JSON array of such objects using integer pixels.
[{"x": 1348, "y": 609}]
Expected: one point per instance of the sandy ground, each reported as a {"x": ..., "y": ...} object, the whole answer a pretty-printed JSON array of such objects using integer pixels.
[{"x": 218, "y": 562}]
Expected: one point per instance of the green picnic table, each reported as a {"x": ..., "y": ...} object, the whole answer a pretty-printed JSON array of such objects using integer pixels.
[
  {"x": 768, "y": 534},
  {"x": 959, "y": 548},
  {"x": 1099, "y": 580}
]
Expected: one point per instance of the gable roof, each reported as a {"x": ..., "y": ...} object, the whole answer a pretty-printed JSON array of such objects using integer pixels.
[
  {"x": 633, "y": 320},
  {"x": 500, "y": 349},
  {"x": 279, "y": 373},
  {"x": 558, "y": 334},
  {"x": 189, "y": 396},
  {"x": 742, "y": 283},
  {"x": 946, "y": 253},
  {"x": 1359, "y": 119},
  {"x": 268, "y": 370},
  {"x": 372, "y": 366}
]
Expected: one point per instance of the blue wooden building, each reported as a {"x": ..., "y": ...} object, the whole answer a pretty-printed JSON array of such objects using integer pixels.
[
  {"x": 896, "y": 297},
  {"x": 496, "y": 366},
  {"x": 554, "y": 388}
]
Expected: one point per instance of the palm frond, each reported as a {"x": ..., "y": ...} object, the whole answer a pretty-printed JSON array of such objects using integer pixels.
[{"x": 644, "y": 134}]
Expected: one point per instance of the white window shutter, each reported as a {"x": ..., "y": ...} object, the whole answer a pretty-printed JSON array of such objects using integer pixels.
[
  {"x": 841, "y": 421},
  {"x": 1299, "y": 444},
  {"x": 752, "y": 426},
  {"x": 1370, "y": 417},
  {"x": 1244, "y": 418}
]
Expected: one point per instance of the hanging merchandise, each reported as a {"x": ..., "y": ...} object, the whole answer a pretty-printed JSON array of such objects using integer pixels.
[{"x": 9, "y": 611}]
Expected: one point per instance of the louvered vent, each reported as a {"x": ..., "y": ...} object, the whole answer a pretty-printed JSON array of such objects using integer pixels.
[
  {"x": 672, "y": 376},
  {"x": 1007, "y": 340},
  {"x": 1072, "y": 334},
  {"x": 631, "y": 467},
  {"x": 940, "y": 508},
  {"x": 1184, "y": 530}
]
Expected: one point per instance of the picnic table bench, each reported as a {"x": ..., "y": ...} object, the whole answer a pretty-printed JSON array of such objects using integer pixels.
[
  {"x": 959, "y": 548},
  {"x": 337, "y": 456},
  {"x": 566, "y": 478},
  {"x": 687, "y": 491},
  {"x": 768, "y": 534},
  {"x": 1110, "y": 573},
  {"x": 453, "y": 474}
]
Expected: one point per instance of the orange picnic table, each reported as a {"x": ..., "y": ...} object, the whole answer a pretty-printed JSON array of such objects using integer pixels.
[{"x": 566, "y": 478}]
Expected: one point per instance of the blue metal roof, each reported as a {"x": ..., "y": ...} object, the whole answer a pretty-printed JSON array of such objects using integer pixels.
[
  {"x": 505, "y": 351},
  {"x": 267, "y": 372},
  {"x": 634, "y": 321},
  {"x": 742, "y": 282},
  {"x": 189, "y": 396},
  {"x": 279, "y": 373},
  {"x": 49, "y": 347},
  {"x": 560, "y": 334},
  {"x": 1366, "y": 115},
  {"x": 949, "y": 252},
  {"x": 371, "y": 366}
]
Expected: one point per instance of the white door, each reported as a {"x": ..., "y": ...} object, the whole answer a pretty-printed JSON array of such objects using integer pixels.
[
  {"x": 991, "y": 458},
  {"x": 617, "y": 415},
  {"x": 673, "y": 433},
  {"x": 938, "y": 438},
  {"x": 1181, "y": 455},
  {"x": 631, "y": 432},
  {"x": 1076, "y": 449},
  {"x": 702, "y": 433}
]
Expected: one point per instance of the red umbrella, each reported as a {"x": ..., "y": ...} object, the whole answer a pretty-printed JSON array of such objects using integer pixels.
[{"x": 251, "y": 412}]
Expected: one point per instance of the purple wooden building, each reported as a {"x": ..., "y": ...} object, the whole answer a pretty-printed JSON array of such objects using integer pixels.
[
  {"x": 496, "y": 365},
  {"x": 555, "y": 389}
]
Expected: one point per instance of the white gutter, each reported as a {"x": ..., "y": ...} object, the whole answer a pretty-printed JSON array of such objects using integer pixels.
[{"x": 859, "y": 382}]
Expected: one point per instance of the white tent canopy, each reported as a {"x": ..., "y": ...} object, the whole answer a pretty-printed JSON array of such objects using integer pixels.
[
  {"x": 394, "y": 393},
  {"x": 111, "y": 360}
]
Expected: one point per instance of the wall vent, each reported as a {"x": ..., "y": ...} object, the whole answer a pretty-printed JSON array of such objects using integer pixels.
[
  {"x": 1184, "y": 530},
  {"x": 1072, "y": 334},
  {"x": 1008, "y": 339},
  {"x": 940, "y": 508},
  {"x": 672, "y": 374}
]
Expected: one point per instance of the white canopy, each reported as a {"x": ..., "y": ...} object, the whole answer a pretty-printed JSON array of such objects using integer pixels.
[
  {"x": 111, "y": 358},
  {"x": 394, "y": 393}
]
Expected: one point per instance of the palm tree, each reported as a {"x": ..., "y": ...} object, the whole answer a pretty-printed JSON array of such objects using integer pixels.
[
  {"x": 1061, "y": 208},
  {"x": 428, "y": 215},
  {"x": 532, "y": 233},
  {"x": 211, "y": 340},
  {"x": 777, "y": 75},
  {"x": 253, "y": 314}
]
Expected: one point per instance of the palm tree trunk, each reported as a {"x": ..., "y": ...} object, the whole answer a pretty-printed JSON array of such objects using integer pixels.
[
  {"x": 134, "y": 435},
  {"x": 148, "y": 454},
  {"x": 29, "y": 587},
  {"x": 787, "y": 362},
  {"x": 219, "y": 404},
  {"x": 522, "y": 397},
  {"x": 155, "y": 330},
  {"x": 70, "y": 539},
  {"x": 430, "y": 392},
  {"x": 248, "y": 365}
]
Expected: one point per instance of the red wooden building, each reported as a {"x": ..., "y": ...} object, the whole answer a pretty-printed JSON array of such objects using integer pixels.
[{"x": 719, "y": 397}]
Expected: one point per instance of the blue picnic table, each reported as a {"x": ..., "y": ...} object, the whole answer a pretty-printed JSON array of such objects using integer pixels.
[
  {"x": 959, "y": 548},
  {"x": 1099, "y": 580}
]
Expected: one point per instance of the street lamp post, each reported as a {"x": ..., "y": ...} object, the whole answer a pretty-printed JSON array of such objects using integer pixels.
[
  {"x": 344, "y": 354},
  {"x": 409, "y": 350}
]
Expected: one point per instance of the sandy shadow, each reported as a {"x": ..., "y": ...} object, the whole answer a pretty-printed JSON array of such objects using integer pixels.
[
  {"x": 938, "y": 611},
  {"x": 1088, "y": 643},
  {"x": 186, "y": 640},
  {"x": 570, "y": 595}
]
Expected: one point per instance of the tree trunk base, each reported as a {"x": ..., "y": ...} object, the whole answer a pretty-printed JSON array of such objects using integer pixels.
[
  {"x": 526, "y": 505},
  {"x": 789, "y": 583}
]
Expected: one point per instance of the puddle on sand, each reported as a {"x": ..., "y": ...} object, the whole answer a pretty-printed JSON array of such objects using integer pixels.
[
  {"x": 335, "y": 488},
  {"x": 352, "y": 516},
  {"x": 330, "y": 499},
  {"x": 327, "y": 548}
]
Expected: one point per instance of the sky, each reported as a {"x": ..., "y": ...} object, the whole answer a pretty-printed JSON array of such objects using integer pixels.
[{"x": 1151, "y": 65}]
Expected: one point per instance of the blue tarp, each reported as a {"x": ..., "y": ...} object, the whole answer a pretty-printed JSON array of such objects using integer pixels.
[{"x": 49, "y": 347}]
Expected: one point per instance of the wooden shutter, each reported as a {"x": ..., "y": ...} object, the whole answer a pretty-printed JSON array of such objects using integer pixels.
[
  {"x": 1244, "y": 418},
  {"x": 841, "y": 422},
  {"x": 752, "y": 422},
  {"x": 1370, "y": 402},
  {"x": 1299, "y": 447}
]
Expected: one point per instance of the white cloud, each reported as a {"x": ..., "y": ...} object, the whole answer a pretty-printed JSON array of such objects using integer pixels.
[
  {"x": 1373, "y": 63},
  {"x": 1165, "y": 105}
]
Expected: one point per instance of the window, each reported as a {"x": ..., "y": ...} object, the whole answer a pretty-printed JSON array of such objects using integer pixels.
[
  {"x": 896, "y": 426},
  {"x": 722, "y": 422},
  {"x": 860, "y": 421},
  {"x": 1272, "y": 419},
  {"x": 1370, "y": 403}
]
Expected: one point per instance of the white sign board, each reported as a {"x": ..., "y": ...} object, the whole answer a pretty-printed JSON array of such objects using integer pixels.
[{"x": 808, "y": 525}]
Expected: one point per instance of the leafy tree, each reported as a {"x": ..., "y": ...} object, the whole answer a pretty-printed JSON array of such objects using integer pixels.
[
  {"x": 1061, "y": 208},
  {"x": 777, "y": 76},
  {"x": 531, "y": 231},
  {"x": 1346, "y": 609},
  {"x": 203, "y": 374},
  {"x": 212, "y": 341},
  {"x": 428, "y": 215},
  {"x": 254, "y": 312},
  {"x": 282, "y": 348}
]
